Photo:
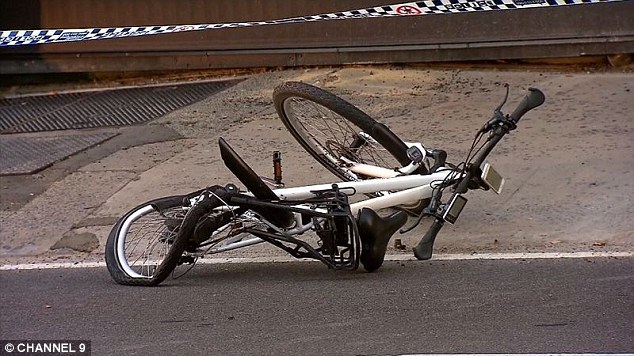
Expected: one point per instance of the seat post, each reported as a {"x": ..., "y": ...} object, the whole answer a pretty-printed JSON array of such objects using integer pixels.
[{"x": 253, "y": 183}]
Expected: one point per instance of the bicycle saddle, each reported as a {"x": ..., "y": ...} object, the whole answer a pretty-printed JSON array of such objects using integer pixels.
[{"x": 375, "y": 233}]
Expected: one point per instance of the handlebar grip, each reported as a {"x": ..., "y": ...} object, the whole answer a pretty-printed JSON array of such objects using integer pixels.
[
  {"x": 533, "y": 99},
  {"x": 425, "y": 247}
]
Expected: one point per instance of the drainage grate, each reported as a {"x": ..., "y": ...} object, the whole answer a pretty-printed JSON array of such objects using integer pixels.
[
  {"x": 116, "y": 107},
  {"x": 26, "y": 155}
]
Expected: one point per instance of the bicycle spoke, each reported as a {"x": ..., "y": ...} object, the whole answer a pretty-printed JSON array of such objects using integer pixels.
[
  {"x": 148, "y": 242},
  {"x": 330, "y": 133}
]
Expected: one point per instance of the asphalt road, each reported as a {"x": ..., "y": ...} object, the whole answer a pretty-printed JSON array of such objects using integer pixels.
[{"x": 494, "y": 306}]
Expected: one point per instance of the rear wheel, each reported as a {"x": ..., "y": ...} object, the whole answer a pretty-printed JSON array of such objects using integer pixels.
[{"x": 333, "y": 130}]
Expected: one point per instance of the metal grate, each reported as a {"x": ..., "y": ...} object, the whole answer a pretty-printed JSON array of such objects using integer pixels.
[
  {"x": 117, "y": 107},
  {"x": 26, "y": 155}
]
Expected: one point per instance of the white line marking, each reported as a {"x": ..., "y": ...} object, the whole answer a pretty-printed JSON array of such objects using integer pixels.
[
  {"x": 512, "y": 256},
  {"x": 403, "y": 257}
]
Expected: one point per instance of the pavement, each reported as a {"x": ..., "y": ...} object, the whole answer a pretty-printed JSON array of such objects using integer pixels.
[
  {"x": 568, "y": 166},
  {"x": 501, "y": 307}
]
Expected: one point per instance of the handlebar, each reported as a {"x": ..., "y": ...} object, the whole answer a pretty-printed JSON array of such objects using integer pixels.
[
  {"x": 425, "y": 246},
  {"x": 500, "y": 126},
  {"x": 503, "y": 125},
  {"x": 533, "y": 99}
]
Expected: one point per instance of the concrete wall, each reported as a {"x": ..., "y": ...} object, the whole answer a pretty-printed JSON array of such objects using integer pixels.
[{"x": 590, "y": 29}]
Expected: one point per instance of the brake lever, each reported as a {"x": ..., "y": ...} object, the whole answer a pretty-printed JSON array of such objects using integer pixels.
[
  {"x": 498, "y": 116},
  {"x": 499, "y": 108}
]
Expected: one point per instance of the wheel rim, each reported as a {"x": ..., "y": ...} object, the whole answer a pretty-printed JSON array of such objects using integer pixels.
[
  {"x": 145, "y": 239},
  {"x": 331, "y": 135}
]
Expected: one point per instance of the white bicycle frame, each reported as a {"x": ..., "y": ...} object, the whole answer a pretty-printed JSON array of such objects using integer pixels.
[
  {"x": 394, "y": 191},
  {"x": 402, "y": 190}
]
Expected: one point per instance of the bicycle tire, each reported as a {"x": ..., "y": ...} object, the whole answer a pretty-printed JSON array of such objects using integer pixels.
[
  {"x": 119, "y": 263},
  {"x": 285, "y": 95},
  {"x": 184, "y": 230}
]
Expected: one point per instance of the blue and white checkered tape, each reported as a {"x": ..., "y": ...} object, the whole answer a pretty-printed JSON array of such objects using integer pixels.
[{"x": 31, "y": 37}]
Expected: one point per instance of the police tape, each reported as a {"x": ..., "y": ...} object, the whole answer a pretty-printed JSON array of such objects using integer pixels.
[{"x": 31, "y": 37}]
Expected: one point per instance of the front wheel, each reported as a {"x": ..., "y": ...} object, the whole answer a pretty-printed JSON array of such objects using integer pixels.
[
  {"x": 334, "y": 131},
  {"x": 140, "y": 249}
]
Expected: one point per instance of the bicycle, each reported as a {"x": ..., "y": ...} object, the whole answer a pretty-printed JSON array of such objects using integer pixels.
[{"x": 375, "y": 167}]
